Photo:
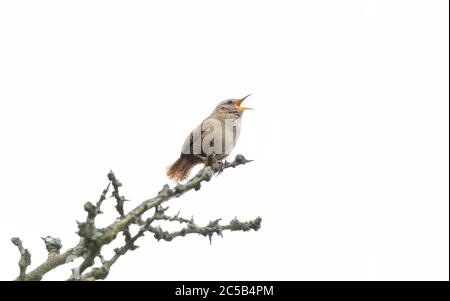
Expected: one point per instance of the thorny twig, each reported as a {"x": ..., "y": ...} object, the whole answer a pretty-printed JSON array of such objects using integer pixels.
[{"x": 93, "y": 239}]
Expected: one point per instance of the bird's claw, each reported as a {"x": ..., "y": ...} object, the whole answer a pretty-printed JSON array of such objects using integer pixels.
[{"x": 219, "y": 166}]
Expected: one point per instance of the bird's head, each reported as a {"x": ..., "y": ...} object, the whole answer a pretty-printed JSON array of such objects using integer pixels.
[{"x": 231, "y": 106}]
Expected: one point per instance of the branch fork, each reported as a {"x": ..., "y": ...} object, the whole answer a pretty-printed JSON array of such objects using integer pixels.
[{"x": 93, "y": 239}]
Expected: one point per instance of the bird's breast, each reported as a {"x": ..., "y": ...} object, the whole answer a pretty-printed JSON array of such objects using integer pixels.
[{"x": 218, "y": 135}]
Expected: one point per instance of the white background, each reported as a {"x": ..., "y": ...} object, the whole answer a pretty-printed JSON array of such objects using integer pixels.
[{"x": 349, "y": 132}]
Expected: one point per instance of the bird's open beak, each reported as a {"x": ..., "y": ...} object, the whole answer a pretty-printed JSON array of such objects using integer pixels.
[{"x": 238, "y": 104}]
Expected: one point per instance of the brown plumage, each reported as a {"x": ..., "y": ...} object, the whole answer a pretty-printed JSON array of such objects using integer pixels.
[
  {"x": 180, "y": 169},
  {"x": 216, "y": 134}
]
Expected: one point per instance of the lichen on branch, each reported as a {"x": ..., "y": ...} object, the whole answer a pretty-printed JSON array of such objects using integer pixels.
[{"x": 93, "y": 239}]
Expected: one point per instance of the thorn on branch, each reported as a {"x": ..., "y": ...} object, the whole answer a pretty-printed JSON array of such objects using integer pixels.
[
  {"x": 102, "y": 198},
  {"x": 116, "y": 194}
]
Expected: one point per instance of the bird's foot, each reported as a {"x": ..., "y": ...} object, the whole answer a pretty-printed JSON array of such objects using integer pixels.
[
  {"x": 218, "y": 167},
  {"x": 211, "y": 160}
]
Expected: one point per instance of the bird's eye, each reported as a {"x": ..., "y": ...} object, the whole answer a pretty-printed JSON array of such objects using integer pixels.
[{"x": 229, "y": 102}]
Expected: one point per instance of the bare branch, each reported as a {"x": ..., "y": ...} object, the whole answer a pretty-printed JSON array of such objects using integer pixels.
[
  {"x": 54, "y": 262},
  {"x": 92, "y": 239},
  {"x": 212, "y": 228},
  {"x": 238, "y": 160},
  {"x": 102, "y": 198},
  {"x": 164, "y": 195},
  {"x": 116, "y": 194},
  {"x": 102, "y": 272},
  {"x": 160, "y": 214},
  {"x": 25, "y": 257}
]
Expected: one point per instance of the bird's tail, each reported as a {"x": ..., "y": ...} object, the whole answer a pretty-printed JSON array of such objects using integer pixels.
[{"x": 180, "y": 169}]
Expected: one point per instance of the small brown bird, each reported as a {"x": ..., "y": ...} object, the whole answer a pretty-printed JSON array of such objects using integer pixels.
[{"x": 216, "y": 135}]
